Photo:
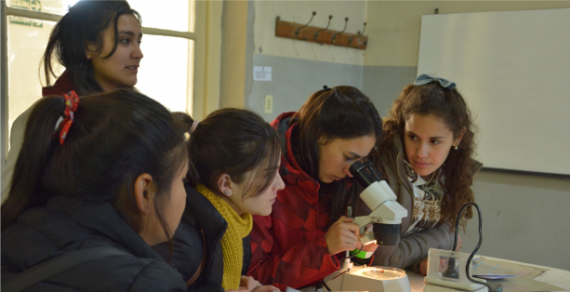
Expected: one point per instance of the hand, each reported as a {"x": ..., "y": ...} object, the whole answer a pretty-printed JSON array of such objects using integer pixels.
[
  {"x": 424, "y": 266},
  {"x": 266, "y": 288},
  {"x": 342, "y": 235},
  {"x": 248, "y": 283},
  {"x": 459, "y": 243}
]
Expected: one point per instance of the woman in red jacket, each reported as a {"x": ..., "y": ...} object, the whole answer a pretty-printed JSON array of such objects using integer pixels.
[
  {"x": 98, "y": 43},
  {"x": 297, "y": 244}
]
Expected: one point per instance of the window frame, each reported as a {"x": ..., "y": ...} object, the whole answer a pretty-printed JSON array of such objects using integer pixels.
[{"x": 206, "y": 64}]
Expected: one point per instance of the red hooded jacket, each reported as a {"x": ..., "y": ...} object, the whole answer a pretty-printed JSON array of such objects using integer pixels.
[
  {"x": 62, "y": 86},
  {"x": 289, "y": 247}
]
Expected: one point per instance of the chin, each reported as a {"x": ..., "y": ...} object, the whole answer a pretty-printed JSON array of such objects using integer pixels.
[
  {"x": 424, "y": 172},
  {"x": 264, "y": 213}
]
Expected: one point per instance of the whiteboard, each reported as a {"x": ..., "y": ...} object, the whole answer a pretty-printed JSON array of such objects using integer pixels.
[{"x": 513, "y": 69}]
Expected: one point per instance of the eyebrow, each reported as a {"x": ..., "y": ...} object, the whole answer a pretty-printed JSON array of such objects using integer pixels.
[
  {"x": 129, "y": 33},
  {"x": 436, "y": 137}
]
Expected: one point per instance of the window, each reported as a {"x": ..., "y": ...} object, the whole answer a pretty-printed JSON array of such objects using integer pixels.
[{"x": 169, "y": 46}]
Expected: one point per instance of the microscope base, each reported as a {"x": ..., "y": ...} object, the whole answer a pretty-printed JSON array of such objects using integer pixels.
[{"x": 373, "y": 279}]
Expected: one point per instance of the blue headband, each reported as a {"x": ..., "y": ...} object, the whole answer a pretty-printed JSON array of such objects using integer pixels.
[{"x": 425, "y": 79}]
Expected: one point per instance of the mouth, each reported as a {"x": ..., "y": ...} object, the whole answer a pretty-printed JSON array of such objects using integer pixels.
[
  {"x": 421, "y": 164},
  {"x": 133, "y": 67},
  {"x": 272, "y": 200}
]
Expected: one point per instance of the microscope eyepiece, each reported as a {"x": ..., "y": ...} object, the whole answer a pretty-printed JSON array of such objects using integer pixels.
[{"x": 365, "y": 173}]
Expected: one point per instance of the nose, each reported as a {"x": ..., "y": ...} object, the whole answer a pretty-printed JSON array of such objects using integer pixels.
[
  {"x": 280, "y": 183},
  {"x": 347, "y": 171},
  {"x": 422, "y": 151},
  {"x": 137, "y": 53}
]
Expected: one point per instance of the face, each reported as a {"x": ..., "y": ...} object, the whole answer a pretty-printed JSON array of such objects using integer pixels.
[
  {"x": 121, "y": 68},
  {"x": 261, "y": 204},
  {"x": 171, "y": 207},
  {"x": 337, "y": 155},
  {"x": 427, "y": 140},
  {"x": 174, "y": 207}
]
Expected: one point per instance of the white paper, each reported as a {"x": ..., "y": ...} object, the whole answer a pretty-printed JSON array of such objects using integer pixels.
[{"x": 261, "y": 73}]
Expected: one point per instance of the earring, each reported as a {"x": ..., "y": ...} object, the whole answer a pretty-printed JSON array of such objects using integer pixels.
[
  {"x": 456, "y": 147},
  {"x": 227, "y": 192}
]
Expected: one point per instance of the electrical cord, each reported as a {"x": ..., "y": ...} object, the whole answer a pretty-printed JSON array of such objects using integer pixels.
[{"x": 476, "y": 248}]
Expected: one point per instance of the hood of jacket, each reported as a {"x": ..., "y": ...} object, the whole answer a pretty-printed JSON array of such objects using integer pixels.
[{"x": 62, "y": 85}]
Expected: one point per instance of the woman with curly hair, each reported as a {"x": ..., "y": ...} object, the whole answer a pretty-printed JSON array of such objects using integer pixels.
[{"x": 425, "y": 153}]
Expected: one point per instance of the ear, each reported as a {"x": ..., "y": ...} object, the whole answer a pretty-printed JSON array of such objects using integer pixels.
[
  {"x": 144, "y": 193},
  {"x": 323, "y": 140},
  {"x": 459, "y": 137},
  {"x": 89, "y": 48},
  {"x": 225, "y": 185}
]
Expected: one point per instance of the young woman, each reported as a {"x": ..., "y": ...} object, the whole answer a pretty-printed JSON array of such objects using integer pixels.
[
  {"x": 295, "y": 246},
  {"x": 236, "y": 155},
  {"x": 425, "y": 153},
  {"x": 98, "y": 43},
  {"x": 101, "y": 176}
]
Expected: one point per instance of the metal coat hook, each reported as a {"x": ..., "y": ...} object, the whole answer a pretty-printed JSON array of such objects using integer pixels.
[
  {"x": 363, "y": 29},
  {"x": 334, "y": 35},
  {"x": 359, "y": 33},
  {"x": 299, "y": 28},
  {"x": 317, "y": 32}
]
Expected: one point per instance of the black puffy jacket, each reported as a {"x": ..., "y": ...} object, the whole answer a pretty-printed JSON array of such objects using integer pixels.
[
  {"x": 65, "y": 225},
  {"x": 201, "y": 216}
]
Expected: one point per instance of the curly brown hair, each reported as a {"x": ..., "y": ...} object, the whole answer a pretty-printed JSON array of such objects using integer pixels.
[{"x": 448, "y": 105}]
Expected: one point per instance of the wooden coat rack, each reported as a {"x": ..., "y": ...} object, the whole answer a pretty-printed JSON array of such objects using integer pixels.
[{"x": 304, "y": 32}]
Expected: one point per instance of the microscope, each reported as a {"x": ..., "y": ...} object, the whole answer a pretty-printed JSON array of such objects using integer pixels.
[
  {"x": 386, "y": 217},
  {"x": 387, "y": 213}
]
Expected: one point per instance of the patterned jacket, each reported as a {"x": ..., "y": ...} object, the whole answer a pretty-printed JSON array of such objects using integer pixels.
[
  {"x": 409, "y": 250},
  {"x": 289, "y": 247}
]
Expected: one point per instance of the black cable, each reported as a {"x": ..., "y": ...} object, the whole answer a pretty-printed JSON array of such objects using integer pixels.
[
  {"x": 476, "y": 248},
  {"x": 326, "y": 286}
]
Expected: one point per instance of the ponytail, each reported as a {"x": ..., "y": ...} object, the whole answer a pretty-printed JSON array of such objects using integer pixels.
[{"x": 38, "y": 146}]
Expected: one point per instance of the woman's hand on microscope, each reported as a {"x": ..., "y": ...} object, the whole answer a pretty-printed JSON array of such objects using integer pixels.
[{"x": 342, "y": 235}]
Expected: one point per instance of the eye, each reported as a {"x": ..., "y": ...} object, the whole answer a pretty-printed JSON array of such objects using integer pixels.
[
  {"x": 125, "y": 41},
  {"x": 412, "y": 137},
  {"x": 435, "y": 142},
  {"x": 346, "y": 158}
]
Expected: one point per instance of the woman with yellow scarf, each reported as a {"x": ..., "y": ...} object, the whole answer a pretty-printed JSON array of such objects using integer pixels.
[{"x": 236, "y": 155}]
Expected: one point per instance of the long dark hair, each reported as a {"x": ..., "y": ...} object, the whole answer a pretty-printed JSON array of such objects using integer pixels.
[
  {"x": 114, "y": 138},
  {"x": 235, "y": 141},
  {"x": 448, "y": 105},
  {"x": 340, "y": 112},
  {"x": 85, "y": 23}
]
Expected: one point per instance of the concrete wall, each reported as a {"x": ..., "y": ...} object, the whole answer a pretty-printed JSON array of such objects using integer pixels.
[{"x": 300, "y": 68}]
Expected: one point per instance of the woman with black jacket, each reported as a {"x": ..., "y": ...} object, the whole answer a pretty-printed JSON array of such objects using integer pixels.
[{"x": 98, "y": 181}]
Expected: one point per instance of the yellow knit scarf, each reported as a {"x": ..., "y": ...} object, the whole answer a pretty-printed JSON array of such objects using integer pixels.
[{"x": 232, "y": 246}]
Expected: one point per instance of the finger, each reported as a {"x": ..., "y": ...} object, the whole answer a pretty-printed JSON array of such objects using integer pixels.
[
  {"x": 348, "y": 234},
  {"x": 344, "y": 219},
  {"x": 353, "y": 227}
]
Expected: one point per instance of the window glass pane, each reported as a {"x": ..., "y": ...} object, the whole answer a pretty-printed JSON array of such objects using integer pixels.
[
  {"x": 27, "y": 40},
  {"x": 170, "y": 14},
  {"x": 166, "y": 71},
  {"x": 50, "y": 6}
]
